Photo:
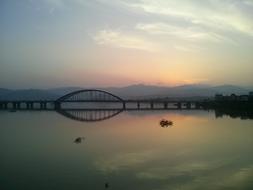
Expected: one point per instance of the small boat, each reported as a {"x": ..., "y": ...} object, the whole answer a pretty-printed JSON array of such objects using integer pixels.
[
  {"x": 165, "y": 123},
  {"x": 78, "y": 140}
]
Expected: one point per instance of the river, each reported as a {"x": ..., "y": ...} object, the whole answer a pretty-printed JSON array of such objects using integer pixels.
[{"x": 130, "y": 151}]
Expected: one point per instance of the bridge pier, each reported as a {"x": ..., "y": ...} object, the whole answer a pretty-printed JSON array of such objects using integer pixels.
[
  {"x": 165, "y": 105},
  {"x": 138, "y": 105},
  {"x": 197, "y": 105},
  {"x": 29, "y": 105},
  {"x": 152, "y": 105},
  {"x": 124, "y": 105},
  {"x": 5, "y": 106},
  {"x": 2, "y": 105},
  {"x": 16, "y": 105},
  {"x": 57, "y": 105},
  {"x": 188, "y": 105},
  {"x": 179, "y": 105},
  {"x": 43, "y": 105}
]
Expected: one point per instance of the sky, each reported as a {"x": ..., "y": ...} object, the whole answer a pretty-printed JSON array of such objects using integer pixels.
[{"x": 97, "y": 43}]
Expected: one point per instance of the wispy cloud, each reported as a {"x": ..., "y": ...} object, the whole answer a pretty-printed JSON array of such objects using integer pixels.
[
  {"x": 213, "y": 14},
  {"x": 187, "y": 33},
  {"x": 188, "y": 48},
  {"x": 248, "y": 2},
  {"x": 117, "y": 39}
]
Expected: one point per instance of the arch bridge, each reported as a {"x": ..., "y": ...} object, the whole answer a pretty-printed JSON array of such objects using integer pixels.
[
  {"x": 89, "y": 96},
  {"x": 99, "y": 98}
]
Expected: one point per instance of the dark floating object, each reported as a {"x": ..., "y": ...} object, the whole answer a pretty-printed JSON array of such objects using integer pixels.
[
  {"x": 106, "y": 185},
  {"x": 165, "y": 123},
  {"x": 79, "y": 140}
]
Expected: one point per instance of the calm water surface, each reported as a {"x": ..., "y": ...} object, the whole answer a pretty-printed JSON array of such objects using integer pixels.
[{"x": 129, "y": 152}]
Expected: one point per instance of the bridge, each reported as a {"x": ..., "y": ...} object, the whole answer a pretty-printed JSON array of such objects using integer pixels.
[{"x": 92, "y": 99}]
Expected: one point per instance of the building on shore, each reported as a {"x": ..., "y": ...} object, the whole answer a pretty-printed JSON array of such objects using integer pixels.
[
  {"x": 234, "y": 97},
  {"x": 251, "y": 96}
]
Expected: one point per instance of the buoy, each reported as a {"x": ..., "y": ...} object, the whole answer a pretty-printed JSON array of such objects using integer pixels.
[{"x": 165, "y": 123}]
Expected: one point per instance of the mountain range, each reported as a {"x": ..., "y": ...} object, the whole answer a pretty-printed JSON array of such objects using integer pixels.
[{"x": 128, "y": 92}]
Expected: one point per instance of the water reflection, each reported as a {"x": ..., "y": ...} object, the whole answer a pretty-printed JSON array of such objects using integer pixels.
[
  {"x": 89, "y": 115},
  {"x": 95, "y": 115},
  {"x": 234, "y": 113},
  {"x": 130, "y": 151}
]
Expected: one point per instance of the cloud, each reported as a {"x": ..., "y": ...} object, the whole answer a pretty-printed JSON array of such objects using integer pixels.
[
  {"x": 213, "y": 14},
  {"x": 186, "y": 33},
  {"x": 248, "y": 2},
  {"x": 119, "y": 40},
  {"x": 63, "y": 4},
  {"x": 188, "y": 48},
  {"x": 55, "y": 3}
]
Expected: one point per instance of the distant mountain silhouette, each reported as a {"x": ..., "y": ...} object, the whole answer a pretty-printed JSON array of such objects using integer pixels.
[
  {"x": 133, "y": 91},
  {"x": 178, "y": 91},
  {"x": 4, "y": 92},
  {"x": 29, "y": 94}
]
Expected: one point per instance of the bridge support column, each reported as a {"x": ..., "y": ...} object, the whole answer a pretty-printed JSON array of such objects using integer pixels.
[
  {"x": 5, "y": 106},
  {"x": 43, "y": 105},
  {"x": 188, "y": 105},
  {"x": 57, "y": 105},
  {"x": 2, "y": 105},
  {"x": 14, "y": 105},
  {"x": 165, "y": 105},
  {"x": 29, "y": 105},
  {"x": 18, "y": 105},
  {"x": 197, "y": 105},
  {"x": 138, "y": 105},
  {"x": 152, "y": 105},
  {"x": 179, "y": 105},
  {"x": 124, "y": 105}
]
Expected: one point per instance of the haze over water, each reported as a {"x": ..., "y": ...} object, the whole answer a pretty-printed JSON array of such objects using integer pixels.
[{"x": 130, "y": 151}]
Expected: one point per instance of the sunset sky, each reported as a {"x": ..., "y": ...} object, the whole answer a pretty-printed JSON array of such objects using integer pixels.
[{"x": 54, "y": 43}]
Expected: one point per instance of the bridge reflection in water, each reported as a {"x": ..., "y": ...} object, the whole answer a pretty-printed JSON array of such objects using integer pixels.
[{"x": 89, "y": 115}]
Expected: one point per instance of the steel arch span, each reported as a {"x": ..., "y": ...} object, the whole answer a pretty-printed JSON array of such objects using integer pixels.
[
  {"x": 90, "y": 99},
  {"x": 90, "y": 95}
]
